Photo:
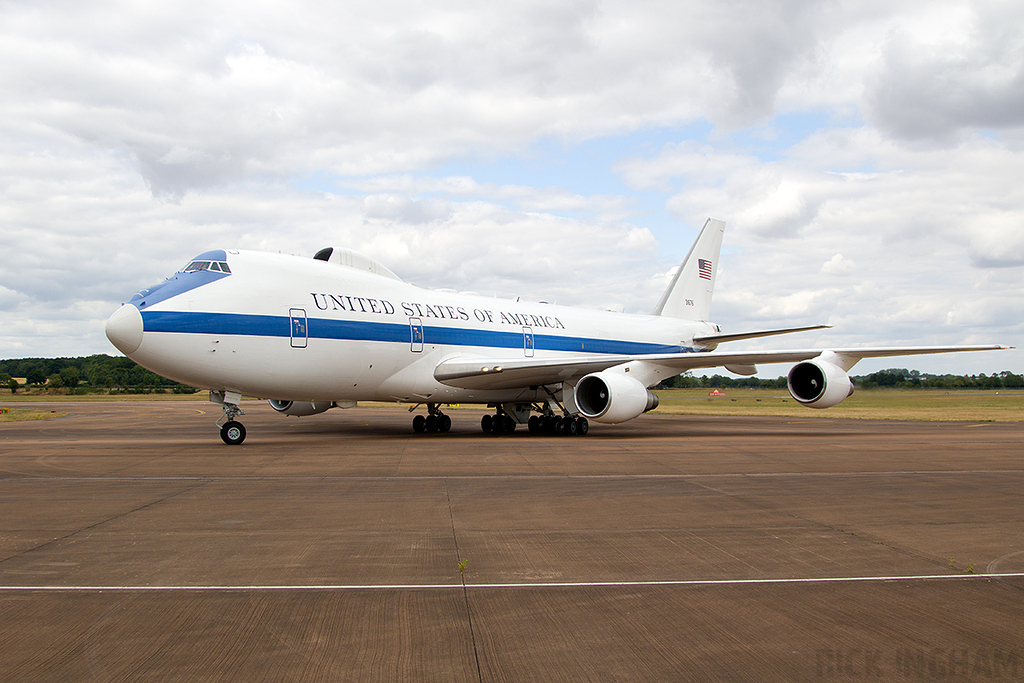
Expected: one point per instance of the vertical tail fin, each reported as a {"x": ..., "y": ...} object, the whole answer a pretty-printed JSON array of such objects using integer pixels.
[{"x": 689, "y": 294}]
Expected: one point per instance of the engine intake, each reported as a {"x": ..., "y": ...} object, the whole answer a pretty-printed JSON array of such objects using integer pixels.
[
  {"x": 611, "y": 397},
  {"x": 300, "y": 408},
  {"x": 819, "y": 384}
]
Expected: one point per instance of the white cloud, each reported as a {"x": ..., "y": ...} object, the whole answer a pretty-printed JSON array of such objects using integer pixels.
[
  {"x": 997, "y": 239},
  {"x": 960, "y": 67},
  {"x": 837, "y": 265}
]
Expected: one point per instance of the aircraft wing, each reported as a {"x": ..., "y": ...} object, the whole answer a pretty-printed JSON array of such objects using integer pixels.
[
  {"x": 506, "y": 373},
  {"x": 689, "y": 361}
]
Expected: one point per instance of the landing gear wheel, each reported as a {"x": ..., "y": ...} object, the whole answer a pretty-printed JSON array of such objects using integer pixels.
[
  {"x": 232, "y": 433},
  {"x": 497, "y": 424},
  {"x": 419, "y": 424},
  {"x": 485, "y": 423},
  {"x": 431, "y": 423},
  {"x": 444, "y": 424},
  {"x": 551, "y": 424},
  {"x": 582, "y": 426},
  {"x": 534, "y": 424}
]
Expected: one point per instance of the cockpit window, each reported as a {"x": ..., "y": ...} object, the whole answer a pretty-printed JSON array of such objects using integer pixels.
[{"x": 195, "y": 266}]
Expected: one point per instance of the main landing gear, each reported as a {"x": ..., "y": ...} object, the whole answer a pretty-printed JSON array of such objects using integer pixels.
[
  {"x": 507, "y": 417},
  {"x": 433, "y": 421},
  {"x": 548, "y": 422},
  {"x": 499, "y": 423},
  {"x": 567, "y": 425}
]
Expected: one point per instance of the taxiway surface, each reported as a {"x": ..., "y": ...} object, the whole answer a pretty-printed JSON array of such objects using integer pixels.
[{"x": 134, "y": 545}]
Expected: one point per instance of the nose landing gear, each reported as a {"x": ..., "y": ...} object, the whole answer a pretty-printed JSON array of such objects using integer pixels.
[{"x": 232, "y": 432}]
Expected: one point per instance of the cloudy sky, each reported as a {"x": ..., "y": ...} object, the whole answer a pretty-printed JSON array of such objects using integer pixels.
[{"x": 868, "y": 156}]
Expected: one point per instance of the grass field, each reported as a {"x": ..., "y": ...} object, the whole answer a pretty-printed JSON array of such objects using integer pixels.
[
  {"x": 44, "y": 397},
  {"x": 22, "y": 414},
  {"x": 1004, "y": 405}
]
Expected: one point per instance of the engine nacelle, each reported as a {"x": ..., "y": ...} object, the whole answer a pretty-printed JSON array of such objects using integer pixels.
[
  {"x": 300, "y": 408},
  {"x": 819, "y": 384},
  {"x": 611, "y": 397}
]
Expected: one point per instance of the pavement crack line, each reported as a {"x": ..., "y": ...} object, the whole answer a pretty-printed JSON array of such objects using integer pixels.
[
  {"x": 102, "y": 522},
  {"x": 746, "y": 499},
  {"x": 462, "y": 578}
]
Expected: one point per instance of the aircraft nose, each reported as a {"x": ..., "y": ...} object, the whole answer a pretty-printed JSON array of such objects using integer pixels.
[{"x": 124, "y": 329}]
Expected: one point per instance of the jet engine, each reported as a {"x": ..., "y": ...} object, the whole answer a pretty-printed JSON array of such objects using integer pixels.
[
  {"x": 612, "y": 397},
  {"x": 819, "y": 384},
  {"x": 300, "y": 408}
]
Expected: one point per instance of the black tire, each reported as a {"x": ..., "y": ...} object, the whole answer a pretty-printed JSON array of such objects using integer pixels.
[
  {"x": 444, "y": 424},
  {"x": 431, "y": 424},
  {"x": 510, "y": 424},
  {"x": 485, "y": 424},
  {"x": 571, "y": 426},
  {"x": 419, "y": 424},
  {"x": 232, "y": 433},
  {"x": 582, "y": 426},
  {"x": 560, "y": 429},
  {"x": 534, "y": 424}
]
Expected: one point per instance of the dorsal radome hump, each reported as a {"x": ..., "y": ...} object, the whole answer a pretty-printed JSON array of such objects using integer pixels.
[{"x": 353, "y": 259}]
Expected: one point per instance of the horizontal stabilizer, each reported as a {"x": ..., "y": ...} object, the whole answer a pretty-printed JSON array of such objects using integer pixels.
[{"x": 712, "y": 339}]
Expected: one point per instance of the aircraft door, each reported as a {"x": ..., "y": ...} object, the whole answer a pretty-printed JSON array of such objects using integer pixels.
[
  {"x": 299, "y": 328},
  {"x": 528, "y": 342},
  {"x": 416, "y": 335}
]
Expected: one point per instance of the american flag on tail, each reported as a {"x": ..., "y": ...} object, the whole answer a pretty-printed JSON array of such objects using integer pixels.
[{"x": 704, "y": 267}]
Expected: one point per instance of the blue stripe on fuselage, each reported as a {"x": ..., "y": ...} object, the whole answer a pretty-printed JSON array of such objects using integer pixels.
[{"x": 188, "y": 322}]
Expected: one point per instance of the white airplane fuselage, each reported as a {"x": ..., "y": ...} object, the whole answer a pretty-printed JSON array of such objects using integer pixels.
[{"x": 291, "y": 328}]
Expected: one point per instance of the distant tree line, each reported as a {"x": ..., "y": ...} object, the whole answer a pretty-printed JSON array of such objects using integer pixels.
[
  {"x": 84, "y": 375},
  {"x": 896, "y": 378},
  {"x": 116, "y": 373},
  {"x": 901, "y": 378}
]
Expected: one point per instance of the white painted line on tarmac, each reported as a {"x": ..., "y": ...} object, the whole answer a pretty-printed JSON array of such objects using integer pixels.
[{"x": 560, "y": 584}]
